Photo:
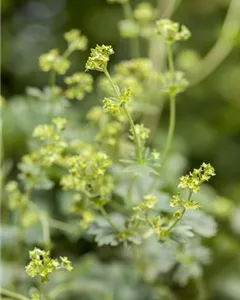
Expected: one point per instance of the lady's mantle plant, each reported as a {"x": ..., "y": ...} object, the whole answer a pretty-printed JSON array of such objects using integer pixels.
[{"x": 116, "y": 192}]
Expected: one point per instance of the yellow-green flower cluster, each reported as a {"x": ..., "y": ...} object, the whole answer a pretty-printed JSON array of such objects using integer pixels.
[
  {"x": 75, "y": 40},
  {"x": 54, "y": 61},
  {"x": 78, "y": 85},
  {"x": 16, "y": 199},
  {"x": 113, "y": 105},
  {"x": 196, "y": 178},
  {"x": 146, "y": 205},
  {"x": 42, "y": 264},
  {"x": 144, "y": 12},
  {"x": 178, "y": 201},
  {"x": 173, "y": 83},
  {"x": 129, "y": 28},
  {"x": 142, "y": 133},
  {"x": 109, "y": 135},
  {"x": 87, "y": 174},
  {"x": 172, "y": 31},
  {"x": 99, "y": 58}
]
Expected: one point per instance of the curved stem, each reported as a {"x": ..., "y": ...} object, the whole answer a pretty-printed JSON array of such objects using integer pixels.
[
  {"x": 222, "y": 47},
  {"x": 136, "y": 140},
  {"x": 13, "y": 294}
]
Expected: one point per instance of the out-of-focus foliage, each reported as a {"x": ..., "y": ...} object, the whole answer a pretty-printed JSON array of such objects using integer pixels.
[{"x": 207, "y": 129}]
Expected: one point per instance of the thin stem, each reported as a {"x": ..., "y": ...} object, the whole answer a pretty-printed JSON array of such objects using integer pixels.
[
  {"x": 105, "y": 215},
  {"x": 171, "y": 129},
  {"x": 60, "y": 225},
  {"x": 128, "y": 14},
  {"x": 138, "y": 145},
  {"x": 52, "y": 79},
  {"x": 13, "y": 294},
  {"x": 170, "y": 59},
  {"x": 172, "y": 121}
]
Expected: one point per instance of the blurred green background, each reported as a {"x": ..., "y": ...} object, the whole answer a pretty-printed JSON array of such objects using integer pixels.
[{"x": 208, "y": 113}]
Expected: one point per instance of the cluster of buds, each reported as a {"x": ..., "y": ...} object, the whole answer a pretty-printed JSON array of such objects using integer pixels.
[
  {"x": 142, "y": 133},
  {"x": 99, "y": 58},
  {"x": 43, "y": 265},
  {"x": 53, "y": 61},
  {"x": 78, "y": 85},
  {"x": 75, "y": 40},
  {"x": 172, "y": 31},
  {"x": 144, "y": 12},
  {"x": 196, "y": 178},
  {"x": 87, "y": 174},
  {"x": 146, "y": 205}
]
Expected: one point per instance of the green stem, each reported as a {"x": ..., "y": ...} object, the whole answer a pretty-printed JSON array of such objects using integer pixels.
[
  {"x": 172, "y": 99},
  {"x": 105, "y": 215},
  {"x": 13, "y": 294},
  {"x": 128, "y": 14},
  {"x": 138, "y": 144},
  {"x": 171, "y": 129},
  {"x": 170, "y": 59},
  {"x": 52, "y": 79}
]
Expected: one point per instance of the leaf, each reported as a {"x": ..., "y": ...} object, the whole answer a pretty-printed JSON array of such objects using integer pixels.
[
  {"x": 182, "y": 233},
  {"x": 201, "y": 223},
  {"x": 185, "y": 272},
  {"x": 104, "y": 234}
]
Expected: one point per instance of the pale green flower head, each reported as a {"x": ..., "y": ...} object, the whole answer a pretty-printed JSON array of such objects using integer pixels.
[
  {"x": 144, "y": 12},
  {"x": 76, "y": 41},
  {"x": 53, "y": 61},
  {"x": 172, "y": 31},
  {"x": 142, "y": 133},
  {"x": 147, "y": 204},
  {"x": 79, "y": 84},
  {"x": 99, "y": 58},
  {"x": 129, "y": 29}
]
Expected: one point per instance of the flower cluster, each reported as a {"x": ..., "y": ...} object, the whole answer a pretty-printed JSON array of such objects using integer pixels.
[
  {"x": 196, "y": 178},
  {"x": 144, "y": 12},
  {"x": 54, "y": 61},
  {"x": 142, "y": 133},
  {"x": 42, "y": 264},
  {"x": 87, "y": 174},
  {"x": 99, "y": 58},
  {"x": 78, "y": 85},
  {"x": 178, "y": 201},
  {"x": 129, "y": 29},
  {"x": 16, "y": 199},
  {"x": 76, "y": 41},
  {"x": 172, "y": 31},
  {"x": 146, "y": 205}
]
